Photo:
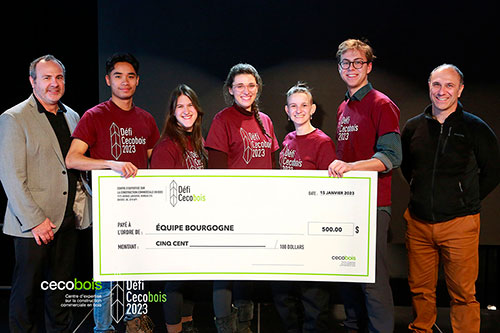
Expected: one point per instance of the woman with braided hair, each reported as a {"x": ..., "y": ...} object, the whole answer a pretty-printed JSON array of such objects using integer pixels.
[{"x": 240, "y": 137}]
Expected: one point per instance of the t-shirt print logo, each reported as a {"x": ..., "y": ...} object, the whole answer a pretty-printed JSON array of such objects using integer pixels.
[
  {"x": 114, "y": 135},
  {"x": 247, "y": 149},
  {"x": 289, "y": 159},
  {"x": 193, "y": 161},
  {"x": 345, "y": 128}
]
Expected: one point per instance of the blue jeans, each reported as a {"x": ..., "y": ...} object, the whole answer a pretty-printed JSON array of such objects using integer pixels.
[{"x": 102, "y": 308}]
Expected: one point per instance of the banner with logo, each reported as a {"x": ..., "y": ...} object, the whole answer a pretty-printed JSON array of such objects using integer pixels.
[{"x": 234, "y": 225}]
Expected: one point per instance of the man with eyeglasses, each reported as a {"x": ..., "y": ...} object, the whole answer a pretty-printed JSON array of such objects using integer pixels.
[
  {"x": 368, "y": 139},
  {"x": 452, "y": 161}
]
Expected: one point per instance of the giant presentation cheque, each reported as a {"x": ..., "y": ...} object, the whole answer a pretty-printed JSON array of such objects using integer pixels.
[{"x": 234, "y": 225}]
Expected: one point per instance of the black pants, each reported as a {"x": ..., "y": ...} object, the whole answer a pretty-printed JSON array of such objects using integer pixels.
[
  {"x": 177, "y": 305},
  {"x": 369, "y": 306},
  {"x": 36, "y": 263},
  {"x": 310, "y": 316}
]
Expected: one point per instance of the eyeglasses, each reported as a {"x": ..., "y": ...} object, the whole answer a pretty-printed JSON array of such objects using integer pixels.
[
  {"x": 240, "y": 87},
  {"x": 357, "y": 63}
]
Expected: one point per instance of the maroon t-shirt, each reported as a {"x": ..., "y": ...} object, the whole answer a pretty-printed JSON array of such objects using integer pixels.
[
  {"x": 167, "y": 154},
  {"x": 240, "y": 137},
  {"x": 359, "y": 125},
  {"x": 313, "y": 151},
  {"x": 115, "y": 134}
]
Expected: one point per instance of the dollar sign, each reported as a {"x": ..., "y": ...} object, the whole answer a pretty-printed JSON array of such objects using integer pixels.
[{"x": 357, "y": 229}]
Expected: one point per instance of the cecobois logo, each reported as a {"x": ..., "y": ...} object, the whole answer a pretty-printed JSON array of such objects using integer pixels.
[
  {"x": 343, "y": 257},
  {"x": 70, "y": 285}
]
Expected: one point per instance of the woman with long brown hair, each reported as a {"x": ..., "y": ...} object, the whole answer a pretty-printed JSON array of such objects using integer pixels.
[
  {"x": 180, "y": 147},
  {"x": 181, "y": 142}
]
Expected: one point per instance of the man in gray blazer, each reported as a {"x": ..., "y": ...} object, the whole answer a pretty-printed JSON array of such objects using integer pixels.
[{"x": 43, "y": 196}]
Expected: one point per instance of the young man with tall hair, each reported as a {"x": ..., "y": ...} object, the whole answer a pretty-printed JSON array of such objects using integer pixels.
[
  {"x": 368, "y": 139},
  {"x": 120, "y": 136}
]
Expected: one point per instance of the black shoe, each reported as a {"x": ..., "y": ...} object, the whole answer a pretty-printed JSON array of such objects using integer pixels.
[{"x": 188, "y": 327}]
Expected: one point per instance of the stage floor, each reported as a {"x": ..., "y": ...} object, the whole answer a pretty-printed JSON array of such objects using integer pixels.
[{"x": 266, "y": 318}]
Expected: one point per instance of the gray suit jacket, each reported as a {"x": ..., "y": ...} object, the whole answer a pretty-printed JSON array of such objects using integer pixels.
[{"x": 32, "y": 169}]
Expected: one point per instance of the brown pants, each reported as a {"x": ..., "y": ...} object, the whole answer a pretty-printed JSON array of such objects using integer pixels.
[{"x": 455, "y": 243}]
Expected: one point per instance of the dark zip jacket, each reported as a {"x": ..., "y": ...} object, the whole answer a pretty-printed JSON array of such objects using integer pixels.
[{"x": 450, "y": 167}]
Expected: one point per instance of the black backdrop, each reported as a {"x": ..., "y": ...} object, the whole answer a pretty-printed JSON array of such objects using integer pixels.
[{"x": 196, "y": 42}]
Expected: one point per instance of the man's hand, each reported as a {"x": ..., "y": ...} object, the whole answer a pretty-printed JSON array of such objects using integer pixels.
[
  {"x": 43, "y": 232},
  {"x": 76, "y": 159},
  {"x": 126, "y": 169},
  {"x": 337, "y": 168}
]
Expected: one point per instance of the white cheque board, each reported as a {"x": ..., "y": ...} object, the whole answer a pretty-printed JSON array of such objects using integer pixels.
[{"x": 234, "y": 225}]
